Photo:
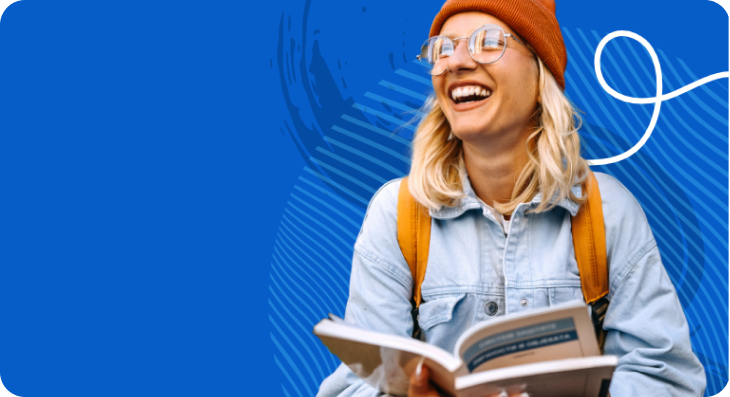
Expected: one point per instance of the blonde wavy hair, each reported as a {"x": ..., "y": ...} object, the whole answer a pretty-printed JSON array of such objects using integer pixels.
[{"x": 438, "y": 171}]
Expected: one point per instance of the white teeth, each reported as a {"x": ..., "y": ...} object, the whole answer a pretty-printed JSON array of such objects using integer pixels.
[{"x": 465, "y": 91}]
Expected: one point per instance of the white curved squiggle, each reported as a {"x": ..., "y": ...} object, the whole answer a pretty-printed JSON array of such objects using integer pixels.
[{"x": 657, "y": 100}]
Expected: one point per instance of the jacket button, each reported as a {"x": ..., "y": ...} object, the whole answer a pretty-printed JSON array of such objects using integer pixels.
[
  {"x": 523, "y": 302},
  {"x": 491, "y": 308}
]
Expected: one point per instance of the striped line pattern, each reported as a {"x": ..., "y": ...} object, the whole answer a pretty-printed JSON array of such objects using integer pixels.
[{"x": 679, "y": 178}]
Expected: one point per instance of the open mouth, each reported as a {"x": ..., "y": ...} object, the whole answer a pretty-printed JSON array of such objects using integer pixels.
[{"x": 470, "y": 93}]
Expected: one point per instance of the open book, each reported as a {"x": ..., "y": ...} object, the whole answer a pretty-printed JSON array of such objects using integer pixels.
[{"x": 545, "y": 352}]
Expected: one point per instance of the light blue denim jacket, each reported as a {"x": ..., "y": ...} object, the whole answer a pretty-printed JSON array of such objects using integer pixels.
[{"x": 475, "y": 272}]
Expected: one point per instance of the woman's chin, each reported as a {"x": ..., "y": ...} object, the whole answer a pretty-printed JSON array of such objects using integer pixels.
[{"x": 470, "y": 134}]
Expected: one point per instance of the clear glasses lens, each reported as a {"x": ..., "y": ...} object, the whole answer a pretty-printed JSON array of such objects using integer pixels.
[
  {"x": 486, "y": 45},
  {"x": 435, "y": 53}
]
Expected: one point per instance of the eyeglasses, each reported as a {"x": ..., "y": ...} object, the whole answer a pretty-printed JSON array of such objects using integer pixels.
[{"x": 487, "y": 44}]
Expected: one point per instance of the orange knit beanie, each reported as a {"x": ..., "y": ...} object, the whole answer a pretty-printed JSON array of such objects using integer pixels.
[{"x": 533, "y": 20}]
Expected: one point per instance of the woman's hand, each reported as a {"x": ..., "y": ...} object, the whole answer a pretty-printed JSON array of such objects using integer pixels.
[{"x": 420, "y": 386}]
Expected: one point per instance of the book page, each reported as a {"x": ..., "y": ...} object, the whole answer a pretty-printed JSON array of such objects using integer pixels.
[{"x": 387, "y": 361}]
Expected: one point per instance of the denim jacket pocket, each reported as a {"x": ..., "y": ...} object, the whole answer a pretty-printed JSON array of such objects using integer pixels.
[
  {"x": 560, "y": 295},
  {"x": 437, "y": 310}
]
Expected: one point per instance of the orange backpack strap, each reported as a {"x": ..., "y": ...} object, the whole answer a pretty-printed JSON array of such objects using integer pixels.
[
  {"x": 589, "y": 241},
  {"x": 414, "y": 236}
]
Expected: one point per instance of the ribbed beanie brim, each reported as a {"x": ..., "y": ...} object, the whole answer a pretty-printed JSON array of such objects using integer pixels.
[{"x": 533, "y": 20}]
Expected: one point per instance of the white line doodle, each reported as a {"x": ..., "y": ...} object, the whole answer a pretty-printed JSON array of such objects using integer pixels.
[{"x": 657, "y": 100}]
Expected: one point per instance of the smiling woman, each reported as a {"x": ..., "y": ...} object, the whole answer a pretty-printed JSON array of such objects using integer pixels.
[
  {"x": 512, "y": 90},
  {"x": 497, "y": 165}
]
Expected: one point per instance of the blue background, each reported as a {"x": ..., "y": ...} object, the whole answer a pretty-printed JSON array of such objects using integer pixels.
[{"x": 155, "y": 193}]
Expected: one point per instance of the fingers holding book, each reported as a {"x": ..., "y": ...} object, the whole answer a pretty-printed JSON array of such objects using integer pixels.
[
  {"x": 420, "y": 383},
  {"x": 421, "y": 386}
]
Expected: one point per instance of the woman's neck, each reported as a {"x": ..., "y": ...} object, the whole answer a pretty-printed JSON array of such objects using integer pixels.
[{"x": 493, "y": 169}]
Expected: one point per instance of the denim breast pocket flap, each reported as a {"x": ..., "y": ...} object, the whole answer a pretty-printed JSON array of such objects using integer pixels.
[{"x": 437, "y": 310}]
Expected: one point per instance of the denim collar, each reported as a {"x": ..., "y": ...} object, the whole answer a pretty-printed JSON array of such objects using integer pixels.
[{"x": 471, "y": 201}]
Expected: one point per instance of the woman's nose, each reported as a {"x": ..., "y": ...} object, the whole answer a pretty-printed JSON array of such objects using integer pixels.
[{"x": 461, "y": 60}]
